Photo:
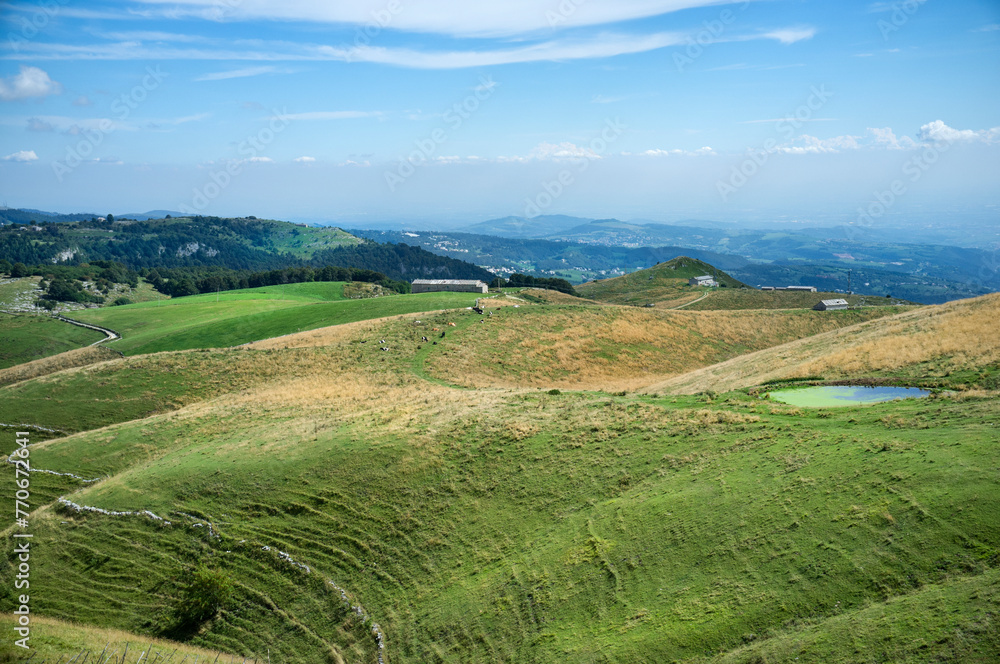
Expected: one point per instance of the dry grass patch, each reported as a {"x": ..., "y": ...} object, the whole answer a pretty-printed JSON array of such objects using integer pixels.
[
  {"x": 957, "y": 335},
  {"x": 72, "y": 359}
]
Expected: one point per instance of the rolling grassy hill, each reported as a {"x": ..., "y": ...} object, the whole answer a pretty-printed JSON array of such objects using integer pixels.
[
  {"x": 486, "y": 525},
  {"x": 477, "y": 520},
  {"x": 236, "y": 317},
  {"x": 665, "y": 284},
  {"x": 24, "y": 338},
  {"x": 947, "y": 343}
]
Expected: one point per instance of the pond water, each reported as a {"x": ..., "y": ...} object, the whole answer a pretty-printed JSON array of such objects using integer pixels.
[{"x": 844, "y": 395}]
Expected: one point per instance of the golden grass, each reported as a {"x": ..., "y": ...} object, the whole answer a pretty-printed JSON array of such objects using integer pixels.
[
  {"x": 72, "y": 359},
  {"x": 612, "y": 347},
  {"x": 51, "y": 638},
  {"x": 958, "y": 334}
]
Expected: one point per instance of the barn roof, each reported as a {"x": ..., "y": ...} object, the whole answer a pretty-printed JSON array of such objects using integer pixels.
[
  {"x": 831, "y": 303},
  {"x": 449, "y": 282}
]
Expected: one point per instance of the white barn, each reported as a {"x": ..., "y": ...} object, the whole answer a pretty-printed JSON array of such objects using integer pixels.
[
  {"x": 831, "y": 305},
  {"x": 704, "y": 280},
  {"x": 451, "y": 285}
]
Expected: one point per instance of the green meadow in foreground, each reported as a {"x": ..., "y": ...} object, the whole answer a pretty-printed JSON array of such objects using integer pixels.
[
  {"x": 505, "y": 525},
  {"x": 237, "y": 317},
  {"x": 25, "y": 337}
]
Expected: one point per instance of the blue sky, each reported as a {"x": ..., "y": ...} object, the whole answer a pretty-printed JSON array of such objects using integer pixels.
[{"x": 660, "y": 109}]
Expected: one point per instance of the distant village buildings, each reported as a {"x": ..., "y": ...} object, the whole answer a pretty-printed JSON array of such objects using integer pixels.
[
  {"x": 704, "y": 280},
  {"x": 450, "y": 285},
  {"x": 831, "y": 305}
]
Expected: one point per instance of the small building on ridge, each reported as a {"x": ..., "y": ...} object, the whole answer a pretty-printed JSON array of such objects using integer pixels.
[
  {"x": 831, "y": 305},
  {"x": 450, "y": 285},
  {"x": 704, "y": 280}
]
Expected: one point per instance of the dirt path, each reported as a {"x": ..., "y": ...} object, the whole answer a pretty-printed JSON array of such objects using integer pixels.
[{"x": 703, "y": 296}]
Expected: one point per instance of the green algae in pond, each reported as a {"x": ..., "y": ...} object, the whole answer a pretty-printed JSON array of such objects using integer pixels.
[{"x": 844, "y": 395}]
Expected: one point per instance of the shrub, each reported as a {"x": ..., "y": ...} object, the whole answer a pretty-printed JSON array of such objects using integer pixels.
[
  {"x": 121, "y": 301},
  {"x": 203, "y": 596}
]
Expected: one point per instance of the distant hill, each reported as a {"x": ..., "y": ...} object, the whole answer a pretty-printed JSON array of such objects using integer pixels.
[
  {"x": 663, "y": 283},
  {"x": 574, "y": 261},
  {"x": 27, "y": 216},
  {"x": 239, "y": 244},
  {"x": 152, "y": 214},
  {"x": 540, "y": 226}
]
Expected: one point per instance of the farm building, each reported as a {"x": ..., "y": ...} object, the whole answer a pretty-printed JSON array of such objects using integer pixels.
[
  {"x": 704, "y": 280},
  {"x": 831, "y": 305},
  {"x": 806, "y": 289},
  {"x": 452, "y": 285}
]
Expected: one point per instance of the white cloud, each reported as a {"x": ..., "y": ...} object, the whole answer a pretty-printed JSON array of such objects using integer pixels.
[
  {"x": 790, "y": 35},
  {"x": 480, "y": 19},
  {"x": 939, "y": 131},
  {"x": 304, "y": 160},
  {"x": 676, "y": 152},
  {"x": 883, "y": 138},
  {"x": 604, "y": 45},
  {"x": 886, "y": 137},
  {"x": 601, "y": 47},
  {"x": 30, "y": 82},
  {"x": 23, "y": 155},
  {"x": 564, "y": 150},
  {"x": 83, "y": 100},
  {"x": 992, "y": 27},
  {"x": 242, "y": 73}
]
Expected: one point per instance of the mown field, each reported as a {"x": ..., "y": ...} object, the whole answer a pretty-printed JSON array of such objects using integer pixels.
[
  {"x": 236, "y": 317},
  {"x": 514, "y": 524},
  {"x": 24, "y": 338}
]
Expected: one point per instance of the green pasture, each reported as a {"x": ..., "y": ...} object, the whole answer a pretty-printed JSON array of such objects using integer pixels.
[{"x": 237, "y": 317}]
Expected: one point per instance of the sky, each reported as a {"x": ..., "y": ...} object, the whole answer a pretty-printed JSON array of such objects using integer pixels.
[{"x": 788, "y": 110}]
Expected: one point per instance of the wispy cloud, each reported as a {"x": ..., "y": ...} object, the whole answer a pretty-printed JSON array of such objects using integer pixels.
[
  {"x": 482, "y": 19},
  {"x": 605, "y": 45},
  {"x": 243, "y": 73}
]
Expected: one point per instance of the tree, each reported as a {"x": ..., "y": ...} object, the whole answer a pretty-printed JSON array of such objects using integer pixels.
[
  {"x": 110, "y": 218},
  {"x": 19, "y": 270},
  {"x": 5, "y": 266}
]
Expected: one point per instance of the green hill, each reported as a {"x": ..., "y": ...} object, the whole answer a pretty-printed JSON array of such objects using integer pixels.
[
  {"x": 484, "y": 526},
  {"x": 240, "y": 316},
  {"x": 340, "y": 478},
  {"x": 664, "y": 283}
]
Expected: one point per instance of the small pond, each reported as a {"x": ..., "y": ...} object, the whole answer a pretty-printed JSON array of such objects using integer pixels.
[{"x": 844, "y": 395}]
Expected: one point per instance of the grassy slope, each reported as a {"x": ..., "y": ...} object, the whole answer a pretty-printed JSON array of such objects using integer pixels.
[
  {"x": 248, "y": 315},
  {"x": 24, "y": 338},
  {"x": 733, "y": 298},
  {"x": 949, "y": 343},
  {"x": 514, "y": 526},
  {"x": 665, "y": 283},
  {"x": 52, "y": 639},
  {"x": 587, "y": 347},
  {"x": 524, "y": 527}
]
